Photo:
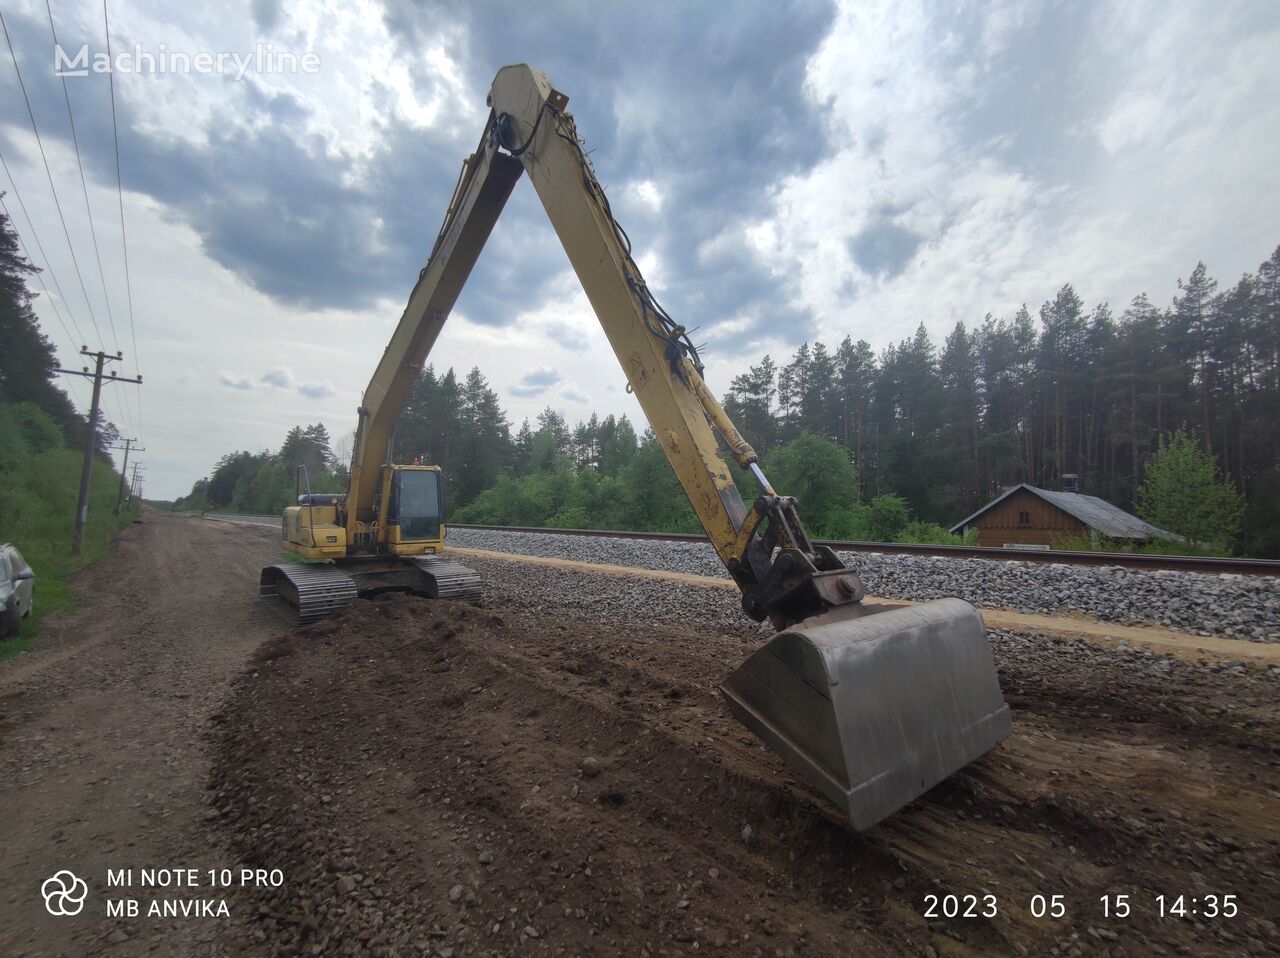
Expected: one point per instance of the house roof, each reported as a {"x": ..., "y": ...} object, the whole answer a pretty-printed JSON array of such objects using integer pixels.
[{"x": 1098, "y": 514}]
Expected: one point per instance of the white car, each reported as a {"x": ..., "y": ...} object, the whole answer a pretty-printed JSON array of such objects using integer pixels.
[{"x": 17, "y": 590}]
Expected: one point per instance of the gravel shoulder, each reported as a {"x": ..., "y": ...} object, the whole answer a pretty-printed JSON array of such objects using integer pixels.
[
  {"x": 1165, "y": 641},
  {"x": 1228, "y": 606}
]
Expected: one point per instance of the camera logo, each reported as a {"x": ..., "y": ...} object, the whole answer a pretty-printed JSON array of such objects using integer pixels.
[{"x": 64, "y": 893}]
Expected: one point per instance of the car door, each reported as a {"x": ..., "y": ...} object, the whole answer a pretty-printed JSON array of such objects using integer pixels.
[
  {"x": 6, "y": 580},
  {"x": 26, "y": 586}
]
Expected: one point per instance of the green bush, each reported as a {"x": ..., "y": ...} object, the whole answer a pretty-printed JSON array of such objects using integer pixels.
[
  {"x": 37, "y": 508},
  {"x": 819, "y": 475},
  {"x": 1158, "y": 547},
  {"x": 930, "y": 533},
  {"x": 1183, "y": 491}
]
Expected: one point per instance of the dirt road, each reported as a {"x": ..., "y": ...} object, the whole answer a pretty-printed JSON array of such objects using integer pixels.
[
  {"x": 419, "y": 775},
  {"x": 103, "y": 748},
  {"x": 421, "y": 768}
]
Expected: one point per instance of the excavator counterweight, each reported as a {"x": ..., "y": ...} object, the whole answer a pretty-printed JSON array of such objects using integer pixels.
[{"x": 871, "y": 704}]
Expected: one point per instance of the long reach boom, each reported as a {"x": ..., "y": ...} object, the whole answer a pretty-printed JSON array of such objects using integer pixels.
[{"x": 871, "y": 704}]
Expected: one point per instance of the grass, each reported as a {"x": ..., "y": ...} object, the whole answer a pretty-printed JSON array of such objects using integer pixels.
[
  {"x": 54, "y": 565},
  {"x": 37, "y": 513},
  {"x": 294, "y": 557},
  {"x": 1158, "y": 547}
]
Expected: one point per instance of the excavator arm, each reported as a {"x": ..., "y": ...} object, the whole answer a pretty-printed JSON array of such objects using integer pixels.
[
  {"x": 872, "y": 705},
  {"x": 781, "y": 574}
]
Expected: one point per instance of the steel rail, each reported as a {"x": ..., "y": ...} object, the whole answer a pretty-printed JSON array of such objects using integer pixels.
[
  {"x": 1152, "y": 563},
  {"x": 1207, "y": 564}
]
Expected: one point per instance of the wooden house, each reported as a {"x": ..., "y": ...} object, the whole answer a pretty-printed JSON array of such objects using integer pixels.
[{"x": 1029, "y": 516}]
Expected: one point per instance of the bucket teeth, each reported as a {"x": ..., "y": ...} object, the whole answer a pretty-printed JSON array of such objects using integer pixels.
[{"x": 875, "y": 708}]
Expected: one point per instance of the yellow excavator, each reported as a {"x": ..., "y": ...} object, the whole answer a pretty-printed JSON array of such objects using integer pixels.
[{"x": 871, "y": 704}]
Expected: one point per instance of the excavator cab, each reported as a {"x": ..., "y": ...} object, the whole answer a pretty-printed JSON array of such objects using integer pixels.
[{"x": 415, "y": 508}]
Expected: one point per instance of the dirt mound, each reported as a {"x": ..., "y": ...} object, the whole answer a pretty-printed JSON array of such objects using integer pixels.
[{"x": 446, "y": 778}]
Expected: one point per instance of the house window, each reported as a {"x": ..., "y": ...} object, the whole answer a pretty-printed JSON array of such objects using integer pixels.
[{"x": 1024, "y": 518}]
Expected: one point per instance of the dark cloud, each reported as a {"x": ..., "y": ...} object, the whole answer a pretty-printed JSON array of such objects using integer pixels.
[
  {"x": 235, "y": 380},
  {"x": 709, "y": 106},
  {"x": 266, "y": 14},
  {"x": 883, "y": 248},
  {"x": 535, "y": 382},
  {"x": 272, "y": 203},
  {"x": 318, "y": 390},
  {"x": 279, "y": 377}
]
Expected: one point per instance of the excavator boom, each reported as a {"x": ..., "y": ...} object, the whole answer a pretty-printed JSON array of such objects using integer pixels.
[{"x": 872, "y": 705}]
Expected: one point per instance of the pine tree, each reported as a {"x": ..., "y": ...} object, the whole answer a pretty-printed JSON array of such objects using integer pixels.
[
  {"x": 958, "y": 371},
  {"x": 522, "y": 456},
  {"x": 617, "y": 445},
  {"x": 1191, "y": 324},
  {"x": 1184, "y": 492},
  {"x": 750, "y": 404},
  {"x": 552, "y": 443},
  {"x": 855, "y": 375},
  {"x": 482, "y": 439},
  {"x": 1058, "y": 364},
  {"x": 27, "y": 357}
]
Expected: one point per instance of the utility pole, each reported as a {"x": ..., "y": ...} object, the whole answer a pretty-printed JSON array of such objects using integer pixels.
[
  {"x": 133, "y": 485},
  {"x": 91, "y": 434},
  {"x": 125, "y": 468}
]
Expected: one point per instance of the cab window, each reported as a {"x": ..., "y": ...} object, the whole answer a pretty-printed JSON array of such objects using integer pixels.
[{"x": 416, "y": 504}]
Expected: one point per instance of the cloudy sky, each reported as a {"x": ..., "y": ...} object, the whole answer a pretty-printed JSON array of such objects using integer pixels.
[{"x": 787, "y": 172}]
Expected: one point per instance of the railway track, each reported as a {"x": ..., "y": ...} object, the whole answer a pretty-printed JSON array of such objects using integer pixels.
[
  {"x": 1149, "y": 563},
  {"x": 1210, "y": 564}
]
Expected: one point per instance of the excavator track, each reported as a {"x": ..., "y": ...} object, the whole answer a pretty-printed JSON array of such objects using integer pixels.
[
  {"x": 448, "y": 580},
  {"x": 304, "y": 592}
]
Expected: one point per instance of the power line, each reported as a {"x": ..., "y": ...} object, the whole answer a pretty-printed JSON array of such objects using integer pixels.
[
  {"x": 124, "y": 240},
  {"x": 31, "y": 224},
  {"x": 75, "y": 142},
  {"x": 90, "y": 436},
  {"x": 124, "y": 415},
  {"x": 49, "y": 173},
  {"x": 124, "y": 418},
  {"x": 128, "y": 445}
]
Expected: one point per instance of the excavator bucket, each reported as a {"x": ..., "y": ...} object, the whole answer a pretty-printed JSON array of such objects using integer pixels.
[{"x": 875, "y": 707}]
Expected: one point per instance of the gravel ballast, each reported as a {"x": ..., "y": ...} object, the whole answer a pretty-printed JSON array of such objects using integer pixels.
[{"x": 1233, "y": 606}]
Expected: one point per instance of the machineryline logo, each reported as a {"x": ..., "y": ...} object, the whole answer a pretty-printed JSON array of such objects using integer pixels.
[{"x": 263, "y": 58}]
